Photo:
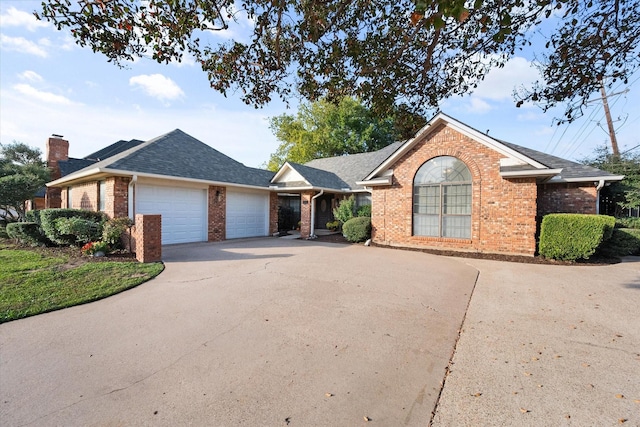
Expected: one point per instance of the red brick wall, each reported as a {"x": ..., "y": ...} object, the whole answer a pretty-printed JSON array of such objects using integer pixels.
[
  {"x": 567, "y": 198},
  {"x": 84, "y": 196},
  {"x": 305, "y": 213},
  {"x": 217, "y": 213},
  {"x": 147, "y": 238},
  {"x": 503, "y": 213},
  {"x": 273, "y": 213},
  {"x": 117, "y": 196}
]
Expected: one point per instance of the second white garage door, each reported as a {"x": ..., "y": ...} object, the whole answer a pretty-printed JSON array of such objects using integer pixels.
[
  {"x": 247, "y": 214},
  {"x": 183, "y": 210}
]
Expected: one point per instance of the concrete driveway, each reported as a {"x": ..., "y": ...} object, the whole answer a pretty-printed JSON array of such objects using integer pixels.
[{"x": 262, "y": 332}]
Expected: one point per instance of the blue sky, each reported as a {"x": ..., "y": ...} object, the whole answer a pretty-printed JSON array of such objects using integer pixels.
[{"x": 48, "y": 85}]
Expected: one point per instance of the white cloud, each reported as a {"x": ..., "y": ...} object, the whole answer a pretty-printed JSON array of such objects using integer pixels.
[
  {"x": 30, "y": 76},
  {"x": 20, "y": 44},
  {"x": 500, "y": 82},
  {"x": 157, "y": 86},
  {"x": 19, "y": 18},
  {"x": 478, "y": 106},
  {"x": 39, "y": 95}
]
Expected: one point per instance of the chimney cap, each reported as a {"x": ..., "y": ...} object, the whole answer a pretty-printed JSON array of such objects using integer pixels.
[{"x": 55, "y": 135}]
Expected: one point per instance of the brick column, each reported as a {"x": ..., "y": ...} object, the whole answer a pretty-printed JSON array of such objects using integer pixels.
[
  {"x": 273, "y": 213},
  {"x": 148, "y": 238},
  {"x": 305, "y": 213},
  {"x": 217, "y": 221},
  {"x": 57, "y": 150},
  {"x": 117, "y": 196}
]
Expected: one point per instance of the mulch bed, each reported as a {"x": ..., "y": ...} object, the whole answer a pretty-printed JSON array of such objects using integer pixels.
[{"x": 339, "y": 238}]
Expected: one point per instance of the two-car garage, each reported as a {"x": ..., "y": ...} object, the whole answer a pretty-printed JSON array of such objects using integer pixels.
[{"x": 185, "y": 211}]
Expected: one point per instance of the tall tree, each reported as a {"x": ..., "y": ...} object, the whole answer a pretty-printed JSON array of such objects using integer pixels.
[
  {"x": 415, "y": 52},
  {"x": 323, "y": 129},
  {"x": 626, "y": 193},
  {"x": 22, "y": 174}
]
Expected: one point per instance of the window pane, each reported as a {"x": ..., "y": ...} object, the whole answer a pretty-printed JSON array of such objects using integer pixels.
[
  {"x": 457, "y": 226},
  {"x": 456, "y": 199},
  {"x": 102, "y": 195},
  {"x": 442, "y": 169},
  {"x": 426, "y": 225},
  {"x": 426, "y": 200}
]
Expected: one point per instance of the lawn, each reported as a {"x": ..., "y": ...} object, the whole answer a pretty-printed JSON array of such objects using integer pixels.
[{"x": 38, "y": 281}]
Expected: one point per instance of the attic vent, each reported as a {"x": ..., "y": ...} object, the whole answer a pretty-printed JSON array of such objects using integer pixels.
[{"x": 55, "y": 135}]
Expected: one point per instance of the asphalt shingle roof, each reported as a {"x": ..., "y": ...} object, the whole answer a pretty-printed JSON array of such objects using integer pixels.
[
  {"x": 354, "y": 167},
  {"x": 180, "y": 155},
  {"x": 320, "y": 178},
  {"x": 570, "y": 170},
  {"x": 113, "y": 149},
  {"x": 72, "y": 165}
]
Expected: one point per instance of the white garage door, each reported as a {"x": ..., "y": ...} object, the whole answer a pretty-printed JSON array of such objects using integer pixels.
[
  {"x": 183, "y": 210},
  {"x": 247, "y": 214}
]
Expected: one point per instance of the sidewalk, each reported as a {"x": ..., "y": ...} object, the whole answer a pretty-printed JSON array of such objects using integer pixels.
[{"x": 547, "y": 346}]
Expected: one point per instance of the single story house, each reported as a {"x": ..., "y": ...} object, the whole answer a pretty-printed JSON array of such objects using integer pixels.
[{"x": 450, "y": 187}]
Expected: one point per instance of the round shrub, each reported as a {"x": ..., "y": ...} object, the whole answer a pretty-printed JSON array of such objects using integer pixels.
[
  {"x": 357, "y": 229},
  {"x": 78, "y": 230},
  {"x": 28, "y": 233}
]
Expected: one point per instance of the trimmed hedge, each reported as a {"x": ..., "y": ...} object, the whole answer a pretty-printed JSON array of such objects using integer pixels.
[
  {"x": 357, "y": 229},
  {"x": 83, "y": 230},
  {"x": 623, "y": 242},
  {"x": 573, "y": 236},
  {"x": 48, "y": 219},
  {"x": 28, "y": 233}
]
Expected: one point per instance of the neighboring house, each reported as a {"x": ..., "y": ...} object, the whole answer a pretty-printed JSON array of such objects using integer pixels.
[
  {"x": 450, "y": 187},
  {"x": 201, "y": 194}
]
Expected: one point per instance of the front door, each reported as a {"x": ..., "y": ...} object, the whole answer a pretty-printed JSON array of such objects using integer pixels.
[{"x": 324, "y": 212}]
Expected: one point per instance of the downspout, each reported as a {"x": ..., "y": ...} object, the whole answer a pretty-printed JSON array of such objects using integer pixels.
[
  {"x": 131, "y": 197},
  {"x": 598, "y": 188},
  {"x": 312, "y": 234}
]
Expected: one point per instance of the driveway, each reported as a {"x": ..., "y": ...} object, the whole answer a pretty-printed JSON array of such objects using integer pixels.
[{"x": 262, "y": 332}]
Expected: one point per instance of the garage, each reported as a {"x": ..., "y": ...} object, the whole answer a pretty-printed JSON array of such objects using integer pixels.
[
  {"x": 247, "y": 214},
  {"x": 183, "y": 210}
]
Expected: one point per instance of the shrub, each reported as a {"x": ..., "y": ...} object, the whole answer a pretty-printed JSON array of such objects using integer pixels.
[
  {"x": 78, "y": 230},
  {"x": 629, "y": 222},
  {"x": 573, "y": 236},
  {"x": 623, "y": 242},
  {"x": 357, "y": 229},
  {"x": 364, "y": 210},
  {"x": 33, "y": 216},
  {"x": 28, "y": 233},
  {"x": 333, "y": 225},
  {"x": 113, "y": 229},
  {"x": 48, "y": 219},
  {"x": 345, "y": 210}
]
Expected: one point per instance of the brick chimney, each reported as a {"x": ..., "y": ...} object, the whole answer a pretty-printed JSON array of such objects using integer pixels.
[{"x": 57, "y": 150}]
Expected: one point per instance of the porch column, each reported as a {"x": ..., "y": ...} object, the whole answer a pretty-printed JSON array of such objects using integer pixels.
[{"x": 305, "y": 213}]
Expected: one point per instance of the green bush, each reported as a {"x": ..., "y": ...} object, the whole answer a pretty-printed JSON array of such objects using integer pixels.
[
  {"x": 345, "y": 210},
  {"x": 33, "y": 216},
  {"x": 573, "y": 236},
  {"x": 364, "y": 210},
  {"x": 357, "y": 229},
  {"x": 3, "y": 232},
  {"x": 28, "y": 233},
  {"x": 113, "y": 229},
  {"x": 623, "y": 242},
  {"x": 333, "y": 225},
  {"x": 628, "y": 222},
  {"x": 78, "y": 230},
  {"x": 48, "y": 219}
]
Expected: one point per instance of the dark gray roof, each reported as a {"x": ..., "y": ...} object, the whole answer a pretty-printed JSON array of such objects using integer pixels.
[
  {"x": 353, "y": 167},
  {"x": 570, "y": 170},
  {"x": 180, "y": 155},
  {"x": 72, "y": 165},
  {"x": 318, "y": 177},
  {"x": 113, "y": 149}
]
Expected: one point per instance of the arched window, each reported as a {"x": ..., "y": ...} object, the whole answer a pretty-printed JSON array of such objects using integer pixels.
[{"x": 442, "y": 199}]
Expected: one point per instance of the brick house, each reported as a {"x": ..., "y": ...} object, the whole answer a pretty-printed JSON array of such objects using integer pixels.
[
  {"x": 200, "y": 194},
  {"x": 450, "y": 187}
]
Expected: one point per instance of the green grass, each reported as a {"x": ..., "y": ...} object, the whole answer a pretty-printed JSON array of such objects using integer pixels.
[{"x": 32, "y": 282}]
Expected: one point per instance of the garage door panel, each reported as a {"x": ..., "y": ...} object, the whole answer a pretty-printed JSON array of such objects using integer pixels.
[
  {"x": 183, "y": 210},
  {"x": 247, "y": 214}
]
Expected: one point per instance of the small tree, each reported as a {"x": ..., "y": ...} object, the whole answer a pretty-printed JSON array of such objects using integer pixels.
[
  {"x": 22, "y": 174},
  {"x": 345, "y": 210},
  {"x": 626, "y": 193}
]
